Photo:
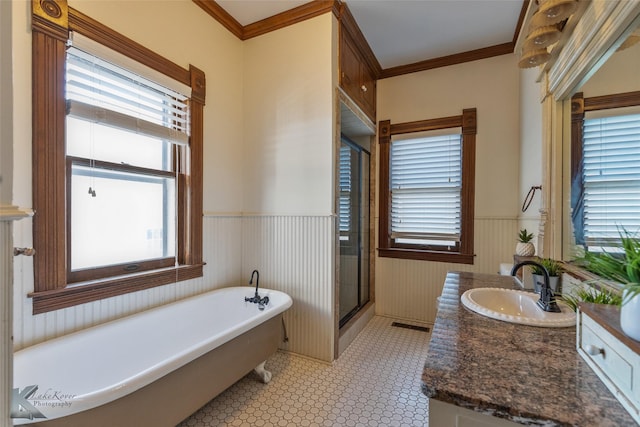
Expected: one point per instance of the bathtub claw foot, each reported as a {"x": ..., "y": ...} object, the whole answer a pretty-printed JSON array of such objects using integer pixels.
[{"x": 263, "y": 373}]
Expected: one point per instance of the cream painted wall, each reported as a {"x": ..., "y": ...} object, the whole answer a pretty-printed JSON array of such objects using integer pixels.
[
  {"x": 619, "y": 74},
  {"x": 530, "y": 148},
  {"x": 491, "y": 86},
  {"x": 196, "y": 39},
  {"x": 6, "y": 242},
  {"x": 268, "y": 134},
  {"x": 289, "y": 126},
  {"x": 407, "y": 289},
  {"x": 21, "y": 55},
  {"x": 6, "y": 100},
  {"x": 288, "y": 167},
  {"x": 199, "y": 41}
]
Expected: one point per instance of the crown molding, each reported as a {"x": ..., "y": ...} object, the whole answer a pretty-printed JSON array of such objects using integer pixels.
[
  {"x": 444, "y": 61},
  {"x": 222, "y": 16},
  {"x": 286, "y": 18},
  {"x": 272, "y": 23},
  {"x": 462, "y": 57},
  {"x": 521, "y": 19},
  {"x": 342, "y": 12}
]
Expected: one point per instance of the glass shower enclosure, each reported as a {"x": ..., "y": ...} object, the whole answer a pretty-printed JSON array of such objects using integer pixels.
[{"x": 353, "y": 220}]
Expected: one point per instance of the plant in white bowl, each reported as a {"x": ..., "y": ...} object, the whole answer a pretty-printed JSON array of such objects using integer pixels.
[
  {"x": 525, "y": 247},
  {"x": 625, "y": 269}
]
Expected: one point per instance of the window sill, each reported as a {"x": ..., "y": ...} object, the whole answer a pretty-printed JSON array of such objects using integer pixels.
[
  {"x": 80, "y": 293},
  {"x": 414, "y": 254},
  {"x": 583, "y": 275}
]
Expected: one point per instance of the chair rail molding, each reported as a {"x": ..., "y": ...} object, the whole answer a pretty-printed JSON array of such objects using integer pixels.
[{"x": 14, "y": 213}]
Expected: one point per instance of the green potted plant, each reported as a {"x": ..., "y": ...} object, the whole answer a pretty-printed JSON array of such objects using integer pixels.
[
  {"x": 525, "y": 247},
  {"x": 623, "y": 268},
  {"x": 553, "y": 267},
  {"x": 589, "y": 293}
]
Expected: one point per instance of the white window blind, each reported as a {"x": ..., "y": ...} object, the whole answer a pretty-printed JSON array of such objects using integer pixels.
[
  {"x": 344, "y": 210},
  {"x": 426, "y": 184},
  {"x": 138, "y": 69},
  {"x": 119, "y": 134},
  {"x": 101, "y": 92},
  {"x": 611, "y": 176}
]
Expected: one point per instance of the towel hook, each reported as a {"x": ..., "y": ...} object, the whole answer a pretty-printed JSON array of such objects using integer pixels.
[{"x": 529, "y": 197}]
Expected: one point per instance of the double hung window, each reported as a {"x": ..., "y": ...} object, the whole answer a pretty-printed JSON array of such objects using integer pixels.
[
  {"x": 606, "y": 175},
  {"x": 122, "y": 130},
  {"x": 427, "y": 168},
  {"x": 117, "y": 145},
  {"x": 426, "y": 190}
]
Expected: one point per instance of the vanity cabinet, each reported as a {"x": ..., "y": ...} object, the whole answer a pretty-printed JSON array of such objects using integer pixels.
[
  {"x": 444, "y": 414},
  {"x": 357, "y": 79},
  {"x": 481, "y": 372},
  {"x": 613, "y": 356}
]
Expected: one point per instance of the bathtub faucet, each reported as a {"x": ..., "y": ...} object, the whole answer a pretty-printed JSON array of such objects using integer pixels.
[
  {"x": 257, "y": 274},
  {"x": 256, "y": 298}
]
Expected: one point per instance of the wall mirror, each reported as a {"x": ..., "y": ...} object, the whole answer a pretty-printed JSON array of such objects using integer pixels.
[{"x": 618, "y": 74}]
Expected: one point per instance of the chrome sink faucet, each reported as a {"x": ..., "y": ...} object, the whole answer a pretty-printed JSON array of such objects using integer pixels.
[
  {"x": 547, "y": 301},
  {"x": 256, "y": 298}
]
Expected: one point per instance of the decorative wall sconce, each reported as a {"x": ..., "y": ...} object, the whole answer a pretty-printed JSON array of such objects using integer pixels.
[
  {"x": 545, "y": 29},
  {"x": 553, "y": 11},
  {"x": 534, "y": 57},
  {"x": 542, "y": 37}
]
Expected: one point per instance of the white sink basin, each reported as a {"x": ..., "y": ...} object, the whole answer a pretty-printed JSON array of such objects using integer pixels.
[{"x": 515, "y": 306}]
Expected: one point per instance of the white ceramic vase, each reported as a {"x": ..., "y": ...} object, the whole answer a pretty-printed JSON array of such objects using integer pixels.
[
  {"x": 525, "y": 249},
  {"x": 630, "y": 316}
]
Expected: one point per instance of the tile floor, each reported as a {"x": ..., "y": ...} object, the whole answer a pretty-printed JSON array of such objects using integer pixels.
[{"x": 375, "y": 382}]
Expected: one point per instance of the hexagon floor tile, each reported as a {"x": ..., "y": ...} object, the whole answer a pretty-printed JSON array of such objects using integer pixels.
[{"x": 375, "y": 382}]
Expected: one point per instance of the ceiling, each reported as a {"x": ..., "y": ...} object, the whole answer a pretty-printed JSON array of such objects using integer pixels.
[{"x": 402, "y": 32}]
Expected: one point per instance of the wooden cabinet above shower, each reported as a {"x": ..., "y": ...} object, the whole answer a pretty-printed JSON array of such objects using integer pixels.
[{"x": 357, "y": 75}]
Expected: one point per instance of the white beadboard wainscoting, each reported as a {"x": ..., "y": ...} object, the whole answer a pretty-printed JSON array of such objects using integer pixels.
[
  {"x": 296, "y": 255},
  {"x": 408, "y": 289},
  {"x": 221, "y": 252},
  {"x": 10, "y": 216},
  {"x": 6, "y": 365}
]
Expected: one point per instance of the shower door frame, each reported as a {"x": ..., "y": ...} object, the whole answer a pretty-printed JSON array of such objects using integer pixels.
[{"x": 362, "y": 151}]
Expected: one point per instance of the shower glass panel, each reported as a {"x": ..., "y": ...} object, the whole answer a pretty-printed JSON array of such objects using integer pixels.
[{"x": 353, "y": 218}]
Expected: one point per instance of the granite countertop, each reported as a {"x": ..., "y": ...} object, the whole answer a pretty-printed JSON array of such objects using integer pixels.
[
  {"x": 608, "y": 316},
  {"x": 526, "y": 374}
]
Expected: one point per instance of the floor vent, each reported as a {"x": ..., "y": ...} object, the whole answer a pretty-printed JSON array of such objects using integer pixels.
[{"x": 414, "y": 327}]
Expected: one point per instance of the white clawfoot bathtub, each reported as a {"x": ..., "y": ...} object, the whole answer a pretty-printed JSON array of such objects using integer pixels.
[{"x": 152, "y": 368}]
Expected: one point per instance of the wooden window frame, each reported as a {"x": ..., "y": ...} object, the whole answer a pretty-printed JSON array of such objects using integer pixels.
[
  {"x": 465, "y": 255},
  {"x": 50, "y": 32}
]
